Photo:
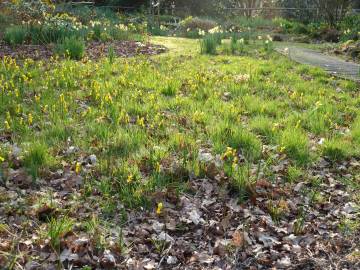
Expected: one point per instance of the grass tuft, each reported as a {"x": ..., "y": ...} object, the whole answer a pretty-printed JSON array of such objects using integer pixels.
[
  {"x": 71, "y": 47},
  {"x": 15, "y": 35},
  {"x": 209, "y": 44},
  {"x": 337, "y": 149},
  {"x": 295, "y": 143},
  {"x": 58, "y": 228},
  {"x": 36, "y": 158}
]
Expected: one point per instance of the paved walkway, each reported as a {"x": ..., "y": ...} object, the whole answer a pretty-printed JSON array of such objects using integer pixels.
[{"x": 331, "y": 64}]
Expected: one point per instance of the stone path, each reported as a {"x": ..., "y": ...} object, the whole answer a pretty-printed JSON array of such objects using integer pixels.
[{"x": 331, "y": 64}]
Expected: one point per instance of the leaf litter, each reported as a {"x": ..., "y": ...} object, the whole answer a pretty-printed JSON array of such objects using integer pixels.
[{"x": 204, "y": 228}]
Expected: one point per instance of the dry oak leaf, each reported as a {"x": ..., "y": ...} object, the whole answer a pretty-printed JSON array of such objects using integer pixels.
[{"x": 238, "y": 239}]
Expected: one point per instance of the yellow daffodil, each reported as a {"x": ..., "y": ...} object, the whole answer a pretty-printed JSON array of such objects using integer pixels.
[
  {"x": 158, "y": 167},
  {"x": 30, "y": 119},
  {"x": 7, "y": 125},
  {"x": 37, "y": 98},
  {"x": 159, "y": 208},
  {"x": 2, "y": 159},
  {"x": 78, "y": 167},
  {"x": 18, "y": 109},
  {"x": 141, "y": 121},
  {"x": 129, "y": 178}
]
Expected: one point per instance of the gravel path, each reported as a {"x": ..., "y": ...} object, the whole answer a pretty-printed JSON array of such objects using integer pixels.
[{"x": 331, "y": 64}]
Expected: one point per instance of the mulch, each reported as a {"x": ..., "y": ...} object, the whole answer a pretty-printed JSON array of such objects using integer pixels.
[{"x": 94, "y": 50}]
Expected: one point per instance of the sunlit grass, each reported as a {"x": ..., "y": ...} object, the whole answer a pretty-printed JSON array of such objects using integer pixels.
[{"x": 146, "y": 119}]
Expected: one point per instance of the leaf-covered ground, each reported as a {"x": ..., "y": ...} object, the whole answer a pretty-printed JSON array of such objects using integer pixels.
[
  {"x": 178, "y": 161},
  {"x": 94, "y": 50}
]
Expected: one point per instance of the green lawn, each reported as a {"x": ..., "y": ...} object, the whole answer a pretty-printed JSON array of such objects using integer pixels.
[
  {"x": 149, "y": 121},
  {"x": 139, "y": 115}
]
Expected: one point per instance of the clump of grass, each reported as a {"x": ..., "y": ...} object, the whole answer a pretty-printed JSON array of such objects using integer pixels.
[
  {"x": 295, "y": 143},
  {"x": 299, "y": 223},
  {"x": 228, "y": 135},
  {"x": 263, "y": 126},
  {"x": 348, "y": 226},
  {"x": 36, "y": 158},
  {"x": 337, "y": 149},
  {"x": 208, "y": 45},
  {"x": 294, "y": 174},
  {"x": 241, "y": 181},
  {"x": 268, "y": 46},
  {"x": 275, "y": 210},
  {"x": 72, "y": 47},
  {"x": 15, "y": 35},
  {"x": 111, "y": 55},
  {"x": 169, "y": 90},
  {"x": 233, "y": 44},
  {"x": 355, "y": 131},
  {"x": 58, "y": 228},
  {"x": 50, "y": 34}
]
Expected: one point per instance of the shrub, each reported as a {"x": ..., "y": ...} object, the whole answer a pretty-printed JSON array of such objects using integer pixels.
[
  {"x": 350, "y": 28},
  {"x": 296, "y": 145},
  {"x": 15, "y": 35},
  {"x": 284, "y": 24},
  {"x": 208, "y": 45},
  {"x": 72, "y": 47},
  {"x": 197, "y": 23},
  {"x": 291, "y": 27}
]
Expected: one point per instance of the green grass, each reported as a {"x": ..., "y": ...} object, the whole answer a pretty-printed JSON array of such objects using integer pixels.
[
  {"x": 146, "y": 121},
  {"x": 296, "y": 145},
  {"x": 57, "y": 228},
  {"x": 15, "y": 35},
  {"x": 209, "y": 44},
  {"x": 36, "y": 158},
  {"x": 71, "y": 47},
  {"x": 294, "y": 174},
  {"x": 337, "y": 149},
  {"x": 263, "y": 126}
]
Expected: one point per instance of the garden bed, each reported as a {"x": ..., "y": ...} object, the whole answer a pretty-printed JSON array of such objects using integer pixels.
[{"x": 94, "y": 50}]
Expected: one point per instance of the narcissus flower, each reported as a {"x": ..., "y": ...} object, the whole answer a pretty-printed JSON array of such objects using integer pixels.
[
  {"x": 130, "y": 178},
  {"x": 159, "y": 208},
  {"x": 30, "y": 119},
  {"x": 7, "y": 125},
  {"x": 78, "y": 167}
]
